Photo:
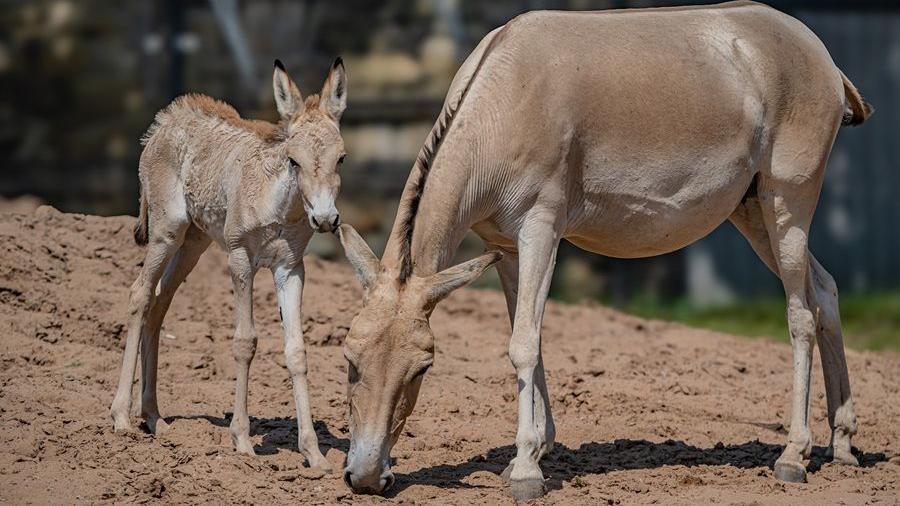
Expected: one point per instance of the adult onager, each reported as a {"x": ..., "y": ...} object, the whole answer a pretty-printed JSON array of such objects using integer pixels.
[
  {"x": 257, "y": 189},
  {"x": 628, "y": 133}
]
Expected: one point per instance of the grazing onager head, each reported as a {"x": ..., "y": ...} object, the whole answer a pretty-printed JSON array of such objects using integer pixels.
[
  {"x": 389, "y": 348},
  {"x": 312, "y": 140}
]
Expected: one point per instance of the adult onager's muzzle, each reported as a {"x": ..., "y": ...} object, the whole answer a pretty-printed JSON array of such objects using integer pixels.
[{"x": 367, "y": 472}]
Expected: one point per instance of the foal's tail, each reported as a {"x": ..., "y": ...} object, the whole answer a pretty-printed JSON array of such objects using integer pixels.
[
  {"x": 140, "y": 228},
  {"x": 856, "y": 109}
]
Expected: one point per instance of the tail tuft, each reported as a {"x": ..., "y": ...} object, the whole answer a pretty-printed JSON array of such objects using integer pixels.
[
  {"x": 140, "y": 228},
  {"x": 856, "y": 110}
]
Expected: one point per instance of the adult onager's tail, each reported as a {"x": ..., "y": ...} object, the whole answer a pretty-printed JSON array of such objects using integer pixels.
[
  {"x": 857, "y": 110},
  {"x": 140, "y": 228}
]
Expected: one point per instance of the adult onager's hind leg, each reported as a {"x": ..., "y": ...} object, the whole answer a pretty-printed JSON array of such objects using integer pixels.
[
  {"x": 165, "y": 239},
  {"x": 537, "y": 245},
  {"x": 788, "y": 192},
  {"x": 195, "y": 243},
  {"x": 244, "y": 345},
  {"x": 289, "y": 287},
  {"x": 822, "y": 291}
]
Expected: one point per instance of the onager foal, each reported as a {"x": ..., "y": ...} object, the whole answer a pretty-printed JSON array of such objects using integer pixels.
[
  {"x": 627, "y": 133},
  {"x": 259, "y": 190}
]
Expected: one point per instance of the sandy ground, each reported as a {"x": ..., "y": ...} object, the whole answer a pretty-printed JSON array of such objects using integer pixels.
[{"x": 647, "y": 412}]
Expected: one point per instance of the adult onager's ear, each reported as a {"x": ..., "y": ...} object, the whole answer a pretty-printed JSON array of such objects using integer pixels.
[
  {"x": 287, "y": 96},
  {"x": 441, "y": 284},
  {"x": 360, "y": 255},
  {"x": 333, "y": 99}
]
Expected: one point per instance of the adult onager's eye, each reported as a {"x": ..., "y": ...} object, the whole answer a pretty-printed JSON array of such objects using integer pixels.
[
  {"x": 352, "y": 373},
  {"x": 421, "y": 372},
  {"x": 293, "y": 163}
]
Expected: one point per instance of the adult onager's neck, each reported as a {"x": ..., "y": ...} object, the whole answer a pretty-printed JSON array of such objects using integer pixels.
[{"x": 445, "y": 193}]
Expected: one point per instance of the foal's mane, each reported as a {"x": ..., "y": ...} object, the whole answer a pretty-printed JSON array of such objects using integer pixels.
[
  {"x": 210, "y": 107},
  {"x": 410, "y": 207}
]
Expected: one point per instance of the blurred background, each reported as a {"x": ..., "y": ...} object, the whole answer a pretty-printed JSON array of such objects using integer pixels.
[{"x": 80, "y": 82}]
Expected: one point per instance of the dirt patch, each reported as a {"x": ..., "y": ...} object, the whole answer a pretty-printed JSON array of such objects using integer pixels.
[{"x": 646, "y": 412}]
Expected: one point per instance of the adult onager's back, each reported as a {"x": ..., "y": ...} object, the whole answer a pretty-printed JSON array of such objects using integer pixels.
[
  {"x": 257, "y": 189},
  {"x": 628, "y": 133}
]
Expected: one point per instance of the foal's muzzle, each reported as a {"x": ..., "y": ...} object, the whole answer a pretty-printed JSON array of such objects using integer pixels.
[{"x": 325, "y": 222}]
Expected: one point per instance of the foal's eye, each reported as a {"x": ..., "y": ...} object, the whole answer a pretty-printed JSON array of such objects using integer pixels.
[
  {"x": 341, "y": 159},
  {"x": 293, "y": 163}
]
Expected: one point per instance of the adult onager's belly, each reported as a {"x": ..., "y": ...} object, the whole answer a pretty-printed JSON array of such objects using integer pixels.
[{"x": 657, "y": 211}]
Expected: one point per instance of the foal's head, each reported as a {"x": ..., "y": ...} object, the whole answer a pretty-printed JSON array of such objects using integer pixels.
[
  {"x": 312, "y": 144},
  {"x": 389, "y": 348}
]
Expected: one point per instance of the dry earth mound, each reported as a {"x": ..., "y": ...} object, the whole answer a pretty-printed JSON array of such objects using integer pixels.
[{"x": 646, "y": 412}]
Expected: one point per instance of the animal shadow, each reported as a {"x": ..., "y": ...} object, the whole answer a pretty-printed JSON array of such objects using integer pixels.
[
  {"x": 278, "y": 433},
  {"x": 564, "y": 463}
]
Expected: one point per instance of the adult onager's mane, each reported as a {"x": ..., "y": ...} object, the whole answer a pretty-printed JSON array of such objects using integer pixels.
[{"x": 409, "y": 207}]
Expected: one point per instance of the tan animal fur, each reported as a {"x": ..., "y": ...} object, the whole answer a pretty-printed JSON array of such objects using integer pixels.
[
  {"x": 257, "y": 189},
  {"x": 628, "y": 133}
]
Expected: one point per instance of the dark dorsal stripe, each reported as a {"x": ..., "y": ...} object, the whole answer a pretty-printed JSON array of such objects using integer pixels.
[{"x": 423, "y": 165}]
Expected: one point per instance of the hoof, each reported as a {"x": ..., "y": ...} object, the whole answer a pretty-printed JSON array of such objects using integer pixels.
[
  {"x": 244, "y": 446},
  {"x": 790, "y": 472},
  {"x": 845, "y": 459},
  {"x": 526, "y": 490},
  {"x": 121, "y": 423},
  {"x": 313, "y": 473},
  {"x": 156, "y": 425},
  {"x": 506, "y": 472},
  {"x": 321, "y": 465}
]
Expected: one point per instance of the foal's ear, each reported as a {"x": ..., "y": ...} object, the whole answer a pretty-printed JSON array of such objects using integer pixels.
[
  {"x": 360, "y": 255},
  {"x": 333, "y": 99},
  {"x": 287, "y": 96},
  {"x": 441, "y": 284}
]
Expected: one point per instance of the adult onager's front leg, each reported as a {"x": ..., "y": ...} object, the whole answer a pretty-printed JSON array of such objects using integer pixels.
[
  {"x": 289, "y": 286},
  {"x": 244, "y": 346},
  {"x": 537, "y": 245}
]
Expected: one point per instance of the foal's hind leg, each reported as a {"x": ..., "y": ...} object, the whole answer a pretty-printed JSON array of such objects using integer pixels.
[
  {"x": 195, "y": 243},
  {"x": 166, "y": 237}
]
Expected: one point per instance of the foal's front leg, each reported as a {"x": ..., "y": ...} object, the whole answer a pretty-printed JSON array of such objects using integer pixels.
[
  {"x": 244, "y": 345},
  {"x": 289, "y": 286},
  {"x": 538, "y": 241}
]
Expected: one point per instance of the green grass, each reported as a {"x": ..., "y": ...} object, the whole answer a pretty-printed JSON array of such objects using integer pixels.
[{"x": 870, "y": 321}]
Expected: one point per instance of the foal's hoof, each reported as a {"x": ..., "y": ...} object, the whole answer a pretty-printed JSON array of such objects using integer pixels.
[
  {"x": 121, "y": 423},
  {"x": 790, "y": 472},
  {"x": 243, "y": 446},
  {"x": 321, "y": 466},
  {"x": 526, "y": 490}
]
